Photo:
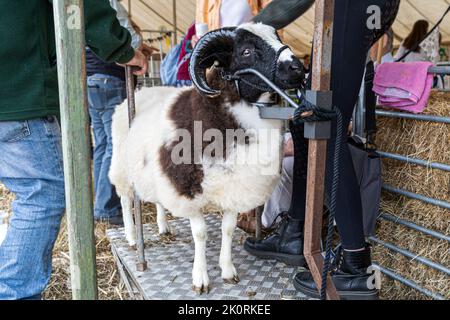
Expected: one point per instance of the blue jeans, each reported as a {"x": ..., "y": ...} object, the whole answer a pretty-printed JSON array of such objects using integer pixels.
[
  {"x": 31, "y": 167},
  {"x": 105, "y": 93}
]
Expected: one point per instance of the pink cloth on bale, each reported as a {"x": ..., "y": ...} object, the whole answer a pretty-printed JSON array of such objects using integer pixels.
[{"x": 404, "y": 86}]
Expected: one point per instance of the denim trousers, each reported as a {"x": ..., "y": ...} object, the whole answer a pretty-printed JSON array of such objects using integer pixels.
[
  {"x": 31, "y": 167},
  {"x": 105, "y": 93}
]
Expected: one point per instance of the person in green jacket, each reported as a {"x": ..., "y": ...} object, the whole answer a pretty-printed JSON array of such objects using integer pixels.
[{"x": 30, "y": 138}]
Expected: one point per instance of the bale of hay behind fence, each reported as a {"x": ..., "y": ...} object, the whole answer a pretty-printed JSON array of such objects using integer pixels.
[{"x": 431, "y": 142}]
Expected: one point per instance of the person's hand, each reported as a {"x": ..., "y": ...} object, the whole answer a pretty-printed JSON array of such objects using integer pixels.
[
  {"x": 288, "y": 150},
  {"x": 139, "y": 60}
]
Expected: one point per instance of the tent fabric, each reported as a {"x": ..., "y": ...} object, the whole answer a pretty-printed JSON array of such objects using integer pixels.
[{"x": 157, "y": 14}]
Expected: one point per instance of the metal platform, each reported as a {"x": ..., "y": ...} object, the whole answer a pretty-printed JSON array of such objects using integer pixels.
[{"x": 170, "y": 265}]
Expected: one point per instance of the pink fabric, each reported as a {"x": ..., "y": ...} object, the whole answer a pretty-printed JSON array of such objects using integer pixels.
[
  {"x": 404, "y": 86},
  {"x": 183, "y": 69}
]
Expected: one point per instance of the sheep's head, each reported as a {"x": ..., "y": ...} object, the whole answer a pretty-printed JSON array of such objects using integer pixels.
[{"x": 251, "y": 45}]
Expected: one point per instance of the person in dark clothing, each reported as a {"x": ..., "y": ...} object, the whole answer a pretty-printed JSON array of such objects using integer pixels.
[{"x": 352, "y": 40}]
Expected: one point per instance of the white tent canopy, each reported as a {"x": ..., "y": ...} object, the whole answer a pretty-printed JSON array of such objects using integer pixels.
[{"x": 159, "y": 14}]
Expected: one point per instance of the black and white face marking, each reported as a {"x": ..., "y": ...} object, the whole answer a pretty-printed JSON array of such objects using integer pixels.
[
  {"x": 269, "y": 36},
  {"x": 258, "y": 46}
]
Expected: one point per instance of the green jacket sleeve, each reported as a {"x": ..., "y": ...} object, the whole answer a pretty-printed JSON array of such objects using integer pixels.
[
  {"x": 104, "y": 35},
  {"x": 280, "y": 13}
]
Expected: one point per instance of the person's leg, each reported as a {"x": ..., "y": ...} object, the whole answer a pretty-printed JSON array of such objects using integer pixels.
[
  {"x": 108, "y": 202},
  {"x": 105, "y": 93},
  {"x": 297, "y": 209},
  {"x": 31, "y": 167},
  {"x": 280, "y": 200},
  {"x": 97, "y": 100},
  {"x": 285, "y": 243},
  {"x": 351, "y": 42}
]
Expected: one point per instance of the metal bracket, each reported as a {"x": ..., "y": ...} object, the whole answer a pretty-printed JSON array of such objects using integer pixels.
[
  {"x": 276, "y": 112},
  {"x": 319, "y": 130}
]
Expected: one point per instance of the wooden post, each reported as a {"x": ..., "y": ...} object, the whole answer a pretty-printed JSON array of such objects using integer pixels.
[
  {"x": 70, "y": 45},
  {"x": 321, "y": 78}
]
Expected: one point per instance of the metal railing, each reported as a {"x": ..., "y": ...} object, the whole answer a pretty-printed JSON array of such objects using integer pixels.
[
  {"x": 409, "y": 283},
  {"x": 411, "y": 255},
  {"x": 412, "y": 225},
  {"x": 404, "y": 115},
  {"x": 412, "y": 160},
  {"x": 436, "y": 202},
  {"x": 412, "y": 195}
]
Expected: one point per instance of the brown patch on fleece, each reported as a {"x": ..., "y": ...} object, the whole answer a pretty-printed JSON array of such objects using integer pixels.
[{"x": 190, "y": 107}]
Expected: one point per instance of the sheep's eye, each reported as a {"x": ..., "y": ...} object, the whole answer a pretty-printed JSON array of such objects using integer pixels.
[{"x": 247, "y": 53}]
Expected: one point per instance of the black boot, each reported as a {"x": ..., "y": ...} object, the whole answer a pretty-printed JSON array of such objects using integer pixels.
[
  {"x": 350, "y": 276},
  {"x": 284, "y": 244}
]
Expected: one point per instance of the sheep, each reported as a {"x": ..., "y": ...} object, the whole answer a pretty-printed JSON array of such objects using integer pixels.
[{"x": 145, "y": 157}]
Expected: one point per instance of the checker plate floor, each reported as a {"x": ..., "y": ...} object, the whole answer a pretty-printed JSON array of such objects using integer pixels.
[{"x": 169, "y": 274}]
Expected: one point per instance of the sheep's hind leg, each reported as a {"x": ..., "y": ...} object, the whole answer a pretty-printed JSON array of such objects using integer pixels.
[
  {"x": 127, "y": 211},
  {"x": 200, "y": 277},
  {"x": 161, "y": 219},
  {"x": 229, "y": 273}
]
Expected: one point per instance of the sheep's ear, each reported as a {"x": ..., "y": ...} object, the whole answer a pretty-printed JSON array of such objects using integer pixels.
[{"x": 214, "y": 46}]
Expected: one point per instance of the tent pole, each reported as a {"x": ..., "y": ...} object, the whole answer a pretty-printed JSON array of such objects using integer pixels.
[
  {"x": 69, "y": 29},
  {"x": 318, "y": 133},
  {"x": 175, "y": 22},
  {"x": 129, "y": 9}
]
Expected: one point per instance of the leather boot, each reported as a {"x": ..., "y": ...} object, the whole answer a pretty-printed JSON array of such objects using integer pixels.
[
  {"x": 284, "y": 244},
  {"x": 349, "y": 274}
]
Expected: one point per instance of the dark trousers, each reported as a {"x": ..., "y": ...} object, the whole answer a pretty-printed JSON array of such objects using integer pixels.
[{"x": 352, "y": 40}]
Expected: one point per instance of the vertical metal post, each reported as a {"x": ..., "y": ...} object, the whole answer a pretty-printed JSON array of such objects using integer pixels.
[
  {"x": 175, "y": 21},
  {"x": 70, "y": 46},
  {"x": 321, "y": 78},
  {"x": 142, "y": 263},
  {"x": 258, "y": 216}
]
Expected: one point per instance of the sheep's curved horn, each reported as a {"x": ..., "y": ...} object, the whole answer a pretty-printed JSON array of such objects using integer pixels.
[{"x": 214, "y": 46}]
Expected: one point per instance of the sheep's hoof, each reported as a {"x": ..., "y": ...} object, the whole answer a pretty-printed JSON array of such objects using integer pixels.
[
  {"x": 234, "y": 280},
  {"x": 200, "y": 290}
]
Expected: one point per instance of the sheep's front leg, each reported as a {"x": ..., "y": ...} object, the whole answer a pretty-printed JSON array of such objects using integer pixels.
[
  {"x": 229, "y": 273},
  {"x": 200, "y": 277},
  {"x": 161, "y": 219},
  {"x": 127, "y": 211}
]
